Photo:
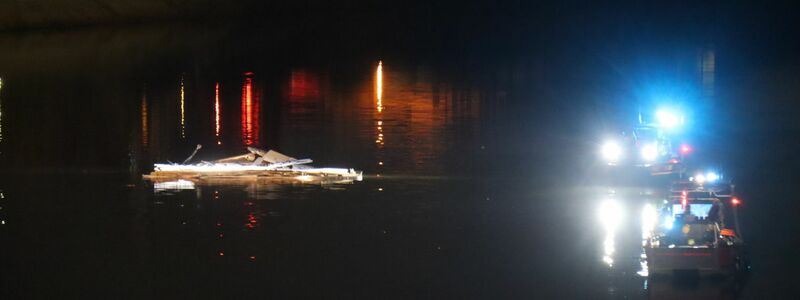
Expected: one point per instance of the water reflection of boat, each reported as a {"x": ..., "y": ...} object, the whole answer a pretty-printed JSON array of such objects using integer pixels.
[
  {"x": 173, "y": 185},
  {"x": 691, "y": 288},
  {"x": 256, "y": 166}
]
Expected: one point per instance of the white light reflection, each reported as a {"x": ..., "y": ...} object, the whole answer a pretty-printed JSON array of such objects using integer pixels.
[
  {"x": 610, "y": 214},
  {"x": 643, "y": 270},
  {"x": 177, "y": 185},
  {"x": 649, "y": 221},
  {"x": 183, "y": 110}
]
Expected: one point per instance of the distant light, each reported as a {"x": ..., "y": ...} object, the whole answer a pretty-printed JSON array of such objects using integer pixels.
[
  {"x": 735, "y": 201},
  {"x": 611, "y": 151},
  {"x": 668, "y": 119},
  {"x": 685, "y": 149},
  {"x": 700, "y": 178},
  {"x": 650, "y": 152},
  {"x": 711, "y": 176}
]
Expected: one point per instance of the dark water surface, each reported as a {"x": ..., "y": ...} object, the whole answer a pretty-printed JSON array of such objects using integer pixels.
[{"x": 480, "y": 180}]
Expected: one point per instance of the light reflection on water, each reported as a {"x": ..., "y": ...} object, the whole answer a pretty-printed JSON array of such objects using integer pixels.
[
  {"x": 251, "y": 112},
  {"x": 419, "y": 225},
  {"x": 217, "y": 122},
  {"x": 183, "y": 106},
  {"x": 412, "y": 122},
  {"x": 145, "y": 120}
]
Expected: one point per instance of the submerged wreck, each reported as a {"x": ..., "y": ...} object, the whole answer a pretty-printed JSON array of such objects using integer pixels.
[{"x": 257, "y": 165}]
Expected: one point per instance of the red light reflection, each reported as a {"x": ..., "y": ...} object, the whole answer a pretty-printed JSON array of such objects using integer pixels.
[
  {"x": 303, "y": 85},
  {"x": 252, "y": 221},
  {"x": 250, "y": 112},
  {"x": 145, "y": 130},
  {"x": 216, "y": 114}
]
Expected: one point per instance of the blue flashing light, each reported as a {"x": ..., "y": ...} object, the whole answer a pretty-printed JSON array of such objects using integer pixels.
[
  {"x": 668, "y": 119},
  {"x": 668, "y": 220}
]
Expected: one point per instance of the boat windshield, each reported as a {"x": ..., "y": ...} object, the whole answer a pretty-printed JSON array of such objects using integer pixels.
[
  {"x": 645, "y": 134},
  {"x": 698, "y": 210},
  {"x": 691, "y": 234}
]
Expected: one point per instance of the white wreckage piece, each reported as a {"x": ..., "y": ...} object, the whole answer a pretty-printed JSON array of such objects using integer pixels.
[{"x": 258, "y": 164}]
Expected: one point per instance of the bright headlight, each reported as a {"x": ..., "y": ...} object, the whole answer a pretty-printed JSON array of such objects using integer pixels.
[
  {"x": 668, "y": 119},
  {"x": 711, "y": 176},
  {"x": 611, "y": 151},
  {"x": 700, "y": 178},
  {"x": 650, "y": 152}
]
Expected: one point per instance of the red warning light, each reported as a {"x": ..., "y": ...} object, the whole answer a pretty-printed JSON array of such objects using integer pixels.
[{"x": 735, "y": 201}]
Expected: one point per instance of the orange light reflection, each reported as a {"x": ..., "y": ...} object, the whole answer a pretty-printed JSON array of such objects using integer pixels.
[
  {"x": 379, "y": 86},
  {"x": 216, "y": 114},
  {"x": 379, "y": 140},
  {"x": 183, "y": 110},
  {"x": 145, "y": 129},
  {"x": 250, "y": 112}
]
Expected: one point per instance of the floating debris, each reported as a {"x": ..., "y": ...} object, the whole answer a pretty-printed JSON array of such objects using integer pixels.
[{"x": 257, "y": 165}]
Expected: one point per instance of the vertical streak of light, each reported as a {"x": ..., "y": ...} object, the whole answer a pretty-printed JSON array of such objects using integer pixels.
[
  {"x": 250, "y": 112},
  {"x": 183, "y": 110},
  {"x": 379, "y": 86},
  {"x": 145, "y": 130},
  {"x": 379, "y": 140},
  {"x": 216, "y": 113}
]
